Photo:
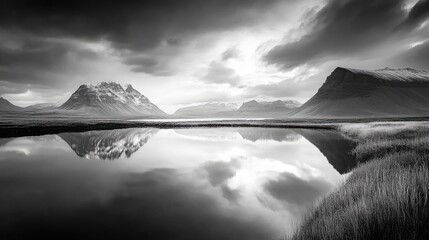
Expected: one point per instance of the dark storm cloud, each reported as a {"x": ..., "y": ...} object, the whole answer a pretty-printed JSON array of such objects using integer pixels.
[
  {"x": 29, "y": 60},
  {"x": 230, "y": 53},
  {"x": 218, "y": 73},
  {"x": 341, "y": 27},
  {"x": 129, "y": 24},
  {"x": 10, "y": 87},
  {"x": 148, "y": 65},
  {"x": 418, "y": 14},
  {"x": 39, "y": 54},
  {"x": 293, "y": 190}
]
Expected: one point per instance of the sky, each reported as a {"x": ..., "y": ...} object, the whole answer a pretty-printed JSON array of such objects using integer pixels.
[{"x": 187, "y": 52}]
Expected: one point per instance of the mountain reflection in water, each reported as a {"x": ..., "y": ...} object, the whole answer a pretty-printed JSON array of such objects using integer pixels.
[
  {"x": 218, "y": 183},
  {"x": 108, "y": 145}
]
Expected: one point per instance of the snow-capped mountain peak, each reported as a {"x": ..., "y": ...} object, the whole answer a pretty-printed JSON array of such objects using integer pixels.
[{"x": 110, "y": 98}]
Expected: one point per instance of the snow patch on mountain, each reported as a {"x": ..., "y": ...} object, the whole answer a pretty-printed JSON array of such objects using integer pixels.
[{"x": 111, "y": 99}]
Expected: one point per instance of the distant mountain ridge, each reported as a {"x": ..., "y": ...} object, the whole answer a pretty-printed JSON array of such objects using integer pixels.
[
  {"x": 267, "y": 106},
  {"x": 43, "y": 106},
  {"x": 111, "y": 99},
  {"x": 207, "y": 109},
  {"x": 251, "y": 108},
  {"x": 362, "y": 93},
  {"x": 5, "y": 105}
]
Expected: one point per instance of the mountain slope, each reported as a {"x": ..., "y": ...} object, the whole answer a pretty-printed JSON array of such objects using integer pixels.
[
  {"x": 360, "y": 93},
  {"x": 5, "y": 105},
  {"x": 111, "y": 99}
]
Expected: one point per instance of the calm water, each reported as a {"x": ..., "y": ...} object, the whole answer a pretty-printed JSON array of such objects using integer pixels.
[{"x": 219, "y": 183}]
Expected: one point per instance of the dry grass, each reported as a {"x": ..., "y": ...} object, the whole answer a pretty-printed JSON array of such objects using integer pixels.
[{"x": 387, "y": 197}]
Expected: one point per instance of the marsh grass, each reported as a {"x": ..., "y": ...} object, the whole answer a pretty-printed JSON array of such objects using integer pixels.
[{"x": 387, "y": 196}]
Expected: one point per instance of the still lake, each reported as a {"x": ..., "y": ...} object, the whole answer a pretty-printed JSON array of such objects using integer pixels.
[{"x": 145, "y": 183}]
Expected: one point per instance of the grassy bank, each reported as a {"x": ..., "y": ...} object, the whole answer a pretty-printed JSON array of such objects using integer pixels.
[{"x": 387, "y": 196}]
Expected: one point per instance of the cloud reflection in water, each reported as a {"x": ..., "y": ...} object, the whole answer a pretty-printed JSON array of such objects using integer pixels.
[{"x": 190, "y": 183}]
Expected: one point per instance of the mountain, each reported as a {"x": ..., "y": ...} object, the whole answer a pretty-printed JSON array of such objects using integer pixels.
[
  {"x": 111, "y": 99},
  {"x": 43, "y": 106},
  {"x": 214, "y": 109},
  {"x": 108, "y": 145},
  {"x": 360, "y": 93},
  {"x": 232, "y": 110},
  {"x": 277, "y": 108},
  {"x": 5, "y": 105}
]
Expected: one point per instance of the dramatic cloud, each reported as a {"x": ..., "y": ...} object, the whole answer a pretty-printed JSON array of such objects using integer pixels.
[
  {"x": 197, "y": 51},
  {"x": 146, "y": 65},
  {"x": 26, "y": 60},
  {"x": 339, "y": 28},
  {"x": 129, "y": 24},
  {"x": 218, "y": 73},
  {"x": 417, "y": 15}
]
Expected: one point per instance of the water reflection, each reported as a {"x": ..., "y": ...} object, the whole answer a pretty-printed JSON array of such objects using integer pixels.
[
  {"x": 109, "y": 144},
  {"x": 222, "y": 183},
  {"x": 279, "y": 135},
  {"x": 334, "y": 146}
]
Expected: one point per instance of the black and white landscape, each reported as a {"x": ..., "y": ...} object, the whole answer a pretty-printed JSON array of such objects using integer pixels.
[{"x": 214, "y": 119}]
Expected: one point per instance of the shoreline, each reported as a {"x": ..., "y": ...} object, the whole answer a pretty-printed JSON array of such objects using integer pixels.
[
  {"x": 26, "y": 127},
  {"x": 386, "y": 195}
]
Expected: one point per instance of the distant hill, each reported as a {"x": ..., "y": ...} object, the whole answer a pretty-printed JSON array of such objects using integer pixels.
[
  {"x": 214, "y": 109},
  {"x": 5, "y": 105},
  {"x": 277, "y": 108},
  {"x": 248, "y": 109},
  {"x": 111, "y": 99},
  {"x": 360, "y": 93},
  {"x": 43, "y": 106}
]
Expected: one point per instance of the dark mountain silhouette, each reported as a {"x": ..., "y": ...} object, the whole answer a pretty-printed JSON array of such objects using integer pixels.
[
  {"x": 111, "y": 99},
  {"x": 360, "y": 93},
  {"x": 108, "y": 144}
]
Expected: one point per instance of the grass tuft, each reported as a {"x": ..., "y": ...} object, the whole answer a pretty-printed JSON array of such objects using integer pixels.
[{"x": 387, "y": 196}]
